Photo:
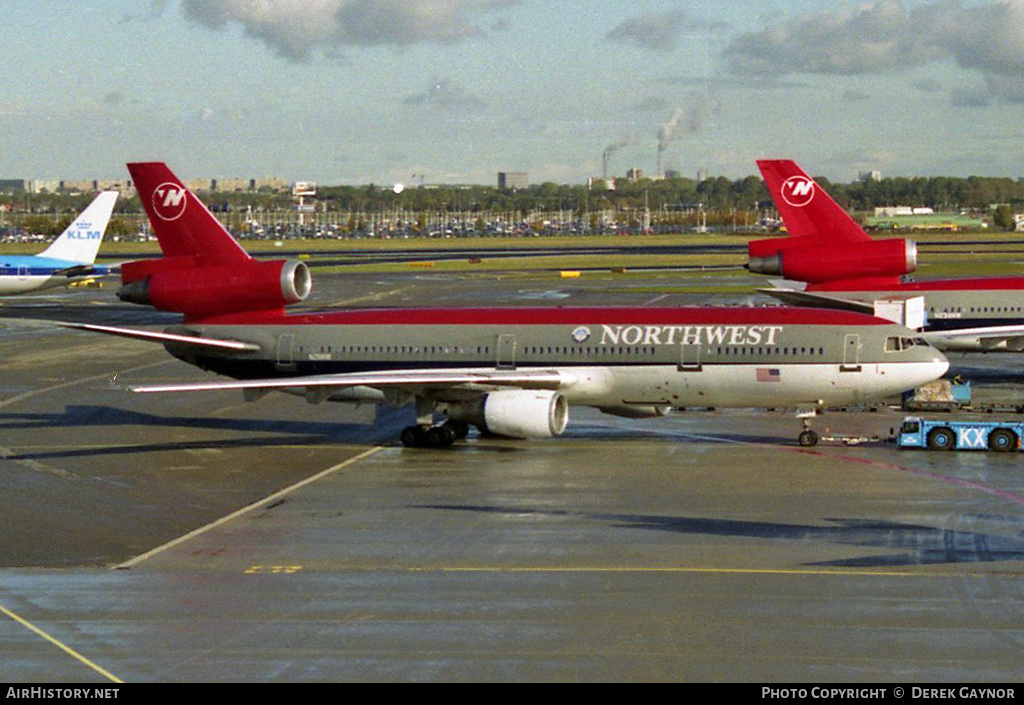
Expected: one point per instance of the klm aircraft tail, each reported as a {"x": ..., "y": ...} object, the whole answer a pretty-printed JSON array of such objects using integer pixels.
[{"x": 81, "y": 241}]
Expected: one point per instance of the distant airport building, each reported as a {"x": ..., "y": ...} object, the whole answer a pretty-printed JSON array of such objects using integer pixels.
[
  {"x": 14, "y": 185},
  {"x": 231, "y": 185},
  {"x": 513, "y": 179},
  {"x": 123, "y": 186},
  {"x": 950, "y": 222},
  {"x": 127, "y": 189},
  {"x": 866, "y": 176},
  {"x": 78, "y": 185},
  {"x": 44, "y": 185},
  {"x": 635, "y": 174},
  {"x": 890, "y": 211},
  {"x": 235, "y": 185},
  {"x": 199, "y": 185}
]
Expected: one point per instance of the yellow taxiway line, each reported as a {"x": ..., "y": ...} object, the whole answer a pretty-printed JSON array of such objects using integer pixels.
[{"x": 60, "y": 645}]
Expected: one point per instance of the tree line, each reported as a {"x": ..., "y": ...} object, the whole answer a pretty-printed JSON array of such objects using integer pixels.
[{"x": 674, "y": 200}]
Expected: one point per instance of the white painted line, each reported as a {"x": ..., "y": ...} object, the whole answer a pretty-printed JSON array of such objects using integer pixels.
[
  {"x": 655, "y": 300},
  {"x": 244, "y": 510}
]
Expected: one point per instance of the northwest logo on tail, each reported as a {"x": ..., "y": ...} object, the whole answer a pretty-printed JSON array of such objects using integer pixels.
[
  {"x": 169, "y": 201},
  {"x": 797, "y": 191}
]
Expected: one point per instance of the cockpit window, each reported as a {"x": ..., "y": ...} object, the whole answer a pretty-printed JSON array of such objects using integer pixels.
[{"x": 896, "y": 344}]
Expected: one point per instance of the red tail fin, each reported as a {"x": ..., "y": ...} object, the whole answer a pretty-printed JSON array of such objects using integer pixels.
[
  {"x": 825, "y": 245},
  {"x": 806, "y": 209},
  {"x": 183, "y": 225},
  {"x": 204, "y": 273}
]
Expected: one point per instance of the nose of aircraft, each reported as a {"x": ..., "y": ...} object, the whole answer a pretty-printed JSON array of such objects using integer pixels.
[{"x": 933, "y": 367}]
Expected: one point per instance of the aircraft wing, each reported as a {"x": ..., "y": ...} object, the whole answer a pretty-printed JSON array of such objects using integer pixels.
[
  {"x": 416, "y": 379},
  {"x": 992, "y": 338},
  {"x": 468, "y": 378},
  {"x": 157, "y": 337}
]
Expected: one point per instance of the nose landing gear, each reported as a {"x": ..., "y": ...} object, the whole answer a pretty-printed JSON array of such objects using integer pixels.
[{"x": 807, "y": 437}]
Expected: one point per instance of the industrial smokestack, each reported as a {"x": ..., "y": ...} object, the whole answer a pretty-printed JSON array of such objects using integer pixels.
[{"x": 608, "y": 152}]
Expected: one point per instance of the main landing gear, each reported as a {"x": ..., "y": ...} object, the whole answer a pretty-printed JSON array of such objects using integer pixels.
[
  {"x": 424, "y": 434},
  {"x": 421, "y": 436}
]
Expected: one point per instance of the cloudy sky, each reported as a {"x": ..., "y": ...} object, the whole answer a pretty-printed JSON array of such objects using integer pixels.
[{"x": 386, "y": 91}]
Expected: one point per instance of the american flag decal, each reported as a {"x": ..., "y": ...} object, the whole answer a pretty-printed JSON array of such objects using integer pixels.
[{"x": 768, "y": 374}]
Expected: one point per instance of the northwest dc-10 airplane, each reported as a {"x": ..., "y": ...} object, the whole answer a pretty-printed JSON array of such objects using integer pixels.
[
  {"x": 828, "y": 260},
  {"x": 509, "y": 371},
  {"x": 70, "y": 257}
]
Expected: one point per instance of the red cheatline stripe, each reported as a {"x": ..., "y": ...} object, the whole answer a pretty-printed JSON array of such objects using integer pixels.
[{"x": 564, "y": 316}]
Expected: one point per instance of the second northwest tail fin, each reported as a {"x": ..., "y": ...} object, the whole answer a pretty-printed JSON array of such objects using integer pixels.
[
  {"x": 81, "y": 241},
  {"x": 825, "y": 247},
  {"x": 805, "y": 207}
]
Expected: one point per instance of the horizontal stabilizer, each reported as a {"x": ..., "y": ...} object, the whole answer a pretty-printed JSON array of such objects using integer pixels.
[
  {"x": 983, "y": 339},
  {"x": 158, "y": 337},
  {"x": 795, "y": 297},
  {"x": 79, "y": 270}
]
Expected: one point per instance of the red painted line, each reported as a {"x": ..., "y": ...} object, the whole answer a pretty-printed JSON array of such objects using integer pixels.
[
  {"x": 955, "y": 481},
  {"x": 561, "y": 316},
  {"x": 990, "y": 284},
  {"x": 966, "y": 484}
]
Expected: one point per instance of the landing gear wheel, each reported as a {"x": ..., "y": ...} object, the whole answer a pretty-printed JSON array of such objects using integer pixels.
[
  {"x": 427, "y": 437},
  {"x": 808, "y": 438},
  {"x": 460, "y": 429},
  {"x": 438, "y": 437},
  {"x": 412, "y": 436}
]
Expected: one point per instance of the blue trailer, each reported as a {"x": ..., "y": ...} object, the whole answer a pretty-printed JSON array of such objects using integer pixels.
[{"x": 945, "y": 434}]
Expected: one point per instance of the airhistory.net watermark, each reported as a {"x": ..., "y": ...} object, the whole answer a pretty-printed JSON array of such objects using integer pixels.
[{"x": 41, "y": 693}]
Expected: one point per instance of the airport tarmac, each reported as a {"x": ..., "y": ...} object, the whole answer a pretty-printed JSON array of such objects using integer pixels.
[{"x": 202, "y": 538}]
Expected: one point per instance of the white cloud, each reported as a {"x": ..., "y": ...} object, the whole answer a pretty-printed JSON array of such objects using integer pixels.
[
  {"x": 884, "y": 36},
  {"x": 295, "y": 28},
  {"x": 872, "y": 37},
  {"x": 657, "y": 31}
]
